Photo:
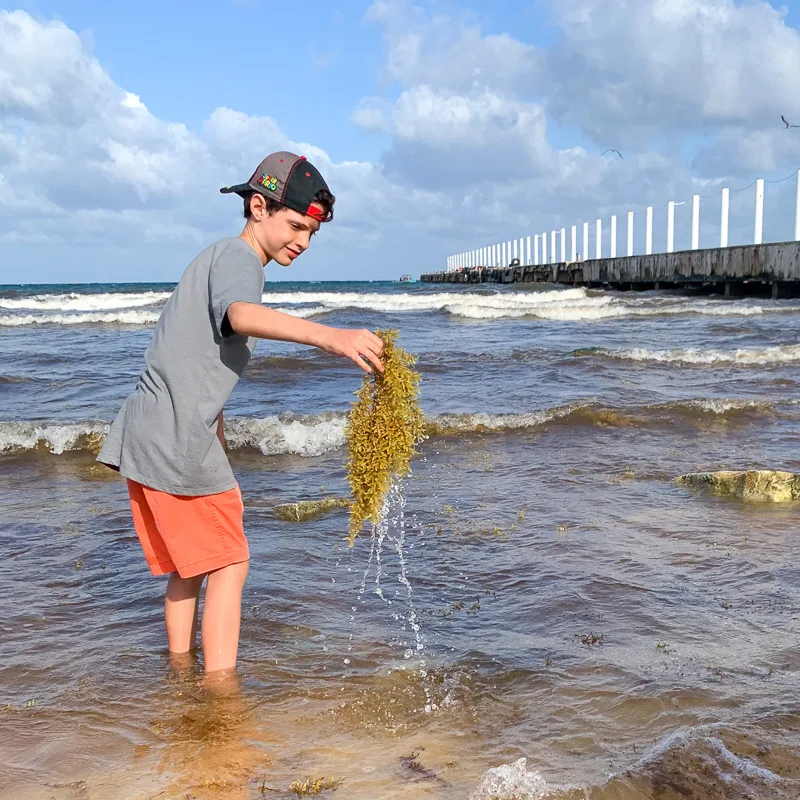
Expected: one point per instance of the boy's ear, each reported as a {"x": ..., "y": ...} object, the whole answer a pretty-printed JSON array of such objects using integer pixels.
[{"x": 258, "y": 206}]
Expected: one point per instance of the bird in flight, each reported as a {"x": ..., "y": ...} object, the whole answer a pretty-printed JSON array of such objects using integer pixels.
[
  {"x": 787, "y": 123},
  {"x": 612, "y": 150}
]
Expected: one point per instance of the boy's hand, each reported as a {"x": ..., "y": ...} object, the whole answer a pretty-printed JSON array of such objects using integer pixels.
[
  {"x": 361, "y": 346},
  {"x": 250, "y": 319}
]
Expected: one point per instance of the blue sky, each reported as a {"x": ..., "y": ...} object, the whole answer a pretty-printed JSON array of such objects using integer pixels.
[{"x": 440, "y": 126}]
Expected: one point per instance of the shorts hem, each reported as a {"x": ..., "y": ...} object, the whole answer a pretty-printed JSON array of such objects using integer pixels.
[
  {"x": 213, "y": 563},
  {"x": 161, "y": 567}
]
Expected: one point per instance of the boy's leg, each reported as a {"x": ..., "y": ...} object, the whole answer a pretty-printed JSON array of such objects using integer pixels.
[
  {"x": 222, "y": 612},
  {"x": 180, "y": 612}
]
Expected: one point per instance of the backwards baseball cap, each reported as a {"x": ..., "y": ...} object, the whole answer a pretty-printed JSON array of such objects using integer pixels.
[{"x": 288, "y": 179}]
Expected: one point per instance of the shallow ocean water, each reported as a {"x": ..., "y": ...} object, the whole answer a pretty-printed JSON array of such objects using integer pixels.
[{"x": 628, "y": 637}]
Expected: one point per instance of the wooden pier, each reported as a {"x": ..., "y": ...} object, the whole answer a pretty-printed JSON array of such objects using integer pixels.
[{"x": 764, "y": 269}]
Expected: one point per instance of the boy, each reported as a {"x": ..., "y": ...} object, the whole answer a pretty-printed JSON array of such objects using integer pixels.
[{"x": 168, "y": 440}]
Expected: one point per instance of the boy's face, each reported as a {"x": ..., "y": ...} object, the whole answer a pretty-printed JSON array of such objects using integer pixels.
[{"x": 283, "y": 235}]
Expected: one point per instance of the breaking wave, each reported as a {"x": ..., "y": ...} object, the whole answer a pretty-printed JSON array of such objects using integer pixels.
[
  {"x": 316, "y": 434},
  {"x": 704, "y": 763},
  {"x": 782, "y": 354},
  {"x": 131, "y": 317},
  {"x": 90, "y": 318},
  {"x": 565, "y": 305},
  {"x": 74, "y": 301},
  {"x": 559, "y": 305}
]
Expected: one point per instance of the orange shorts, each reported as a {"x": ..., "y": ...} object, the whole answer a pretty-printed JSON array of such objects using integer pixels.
[{"x": 188, "y": 535}]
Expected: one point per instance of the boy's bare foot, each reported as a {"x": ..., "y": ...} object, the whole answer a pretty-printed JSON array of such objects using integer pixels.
[{"x": 222, "y": 682}]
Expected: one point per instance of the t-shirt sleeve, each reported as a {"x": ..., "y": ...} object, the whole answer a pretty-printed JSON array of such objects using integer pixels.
[{"x": 235, "y": 276}]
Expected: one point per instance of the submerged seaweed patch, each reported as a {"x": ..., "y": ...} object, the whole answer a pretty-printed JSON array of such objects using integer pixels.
[
  {"x": 383, "y": 429},
  {"x": 309, "y": 509}
]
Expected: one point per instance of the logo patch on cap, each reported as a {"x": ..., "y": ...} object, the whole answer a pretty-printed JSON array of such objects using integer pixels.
[{"x": 268, "y": 182}]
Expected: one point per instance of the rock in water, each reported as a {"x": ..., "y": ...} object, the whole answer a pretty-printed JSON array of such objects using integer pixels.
[
  {"x": 756, "y": 485},
  {"x": 309, "y": 509},
  {"x": 511, "y": 782}
]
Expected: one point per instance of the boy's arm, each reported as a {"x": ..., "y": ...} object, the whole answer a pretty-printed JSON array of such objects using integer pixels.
[
  {"x": 361, "y": 346},
  {"x": 221, "y": 431}
]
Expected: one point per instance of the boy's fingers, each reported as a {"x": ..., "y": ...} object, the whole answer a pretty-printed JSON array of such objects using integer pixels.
[
  {"x": 375, "y": 341},
  {"x": 362, "y": 362},
  {"x": 374, "y": 358}
]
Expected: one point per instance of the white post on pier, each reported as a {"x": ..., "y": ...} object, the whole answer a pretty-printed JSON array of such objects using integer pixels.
[
  {"x": 613, "y": 236},
  {"x": 630, "y": 233},
  {"x": 563, "y": 245},
  {"x": 585, "y": 254},
  {"x": 598, "y": 240},
  {"x": 528, "y": 259},
  {"x": 574, "y": 243},
  {"x": 514, "y": 248},
  {"x": 759, "y": 231},
  {"x": 544, "y": 248},
  {"x": 536, "y": 250},
  {"x": 724, "y": 215},
  {"x": 696, "y": 222},
  {"x": 648, "y": 236},
  {"x": 509, "y": 253},
  {"x": 671, "y": 226},
  {"x": 521, "y": 250},
  {"x": 797, "y": 210},
  {"x": 552, "y": 247},
  {"x": 503, "y": 261}
]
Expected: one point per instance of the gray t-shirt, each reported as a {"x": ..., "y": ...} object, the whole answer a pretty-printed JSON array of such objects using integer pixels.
[{"x": 165, "y": 435}]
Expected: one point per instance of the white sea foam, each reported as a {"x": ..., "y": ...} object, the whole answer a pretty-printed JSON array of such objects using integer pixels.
[
  {"x": 783, "y": 354},
  {"x": 53, "y": 436},
  {"x": 565, "y": 305},
  {"x": 301, "y": 435},
  {"x": 483, "y": 421},
  {"x": 391, "y": 303},
  {"x": 511, "y": 782},
  {"x": 316, "y": 434},
  {"x": 717, "y": 406},
  {"x": 304, "y": 312},
  {"x": 88, "y": 318},
  {"x": 84, "y": 302}
]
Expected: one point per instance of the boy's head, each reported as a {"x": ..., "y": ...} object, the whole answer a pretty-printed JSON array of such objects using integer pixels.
[{"x": 285, "y": 202}]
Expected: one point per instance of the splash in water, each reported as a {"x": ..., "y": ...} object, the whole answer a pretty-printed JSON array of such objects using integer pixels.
[{"x": 391, "y": 528}]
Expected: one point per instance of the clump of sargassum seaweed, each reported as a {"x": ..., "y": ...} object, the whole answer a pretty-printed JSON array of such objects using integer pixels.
[
  {"x": 383, "y": 430},
  {"x": 312, "y": 786}
]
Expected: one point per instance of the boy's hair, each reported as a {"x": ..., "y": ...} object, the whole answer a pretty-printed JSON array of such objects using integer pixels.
[{"x": 322, "y": 198}]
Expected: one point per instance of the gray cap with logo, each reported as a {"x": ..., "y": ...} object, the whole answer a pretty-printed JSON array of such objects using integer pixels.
[{"x": 290, "y": 180}]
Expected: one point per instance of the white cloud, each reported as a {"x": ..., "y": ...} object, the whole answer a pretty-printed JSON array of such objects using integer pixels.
[
  {"x": 690, "y": 90},
  {"x": 449, "y": 51},
  {"x": 629, "y": 70},
  {"x": 371, "y": 115}
]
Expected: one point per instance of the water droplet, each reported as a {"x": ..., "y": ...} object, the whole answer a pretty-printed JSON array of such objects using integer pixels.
[
  {"x": 347, "y": 661},
  {"x": 408, "y": 653}
]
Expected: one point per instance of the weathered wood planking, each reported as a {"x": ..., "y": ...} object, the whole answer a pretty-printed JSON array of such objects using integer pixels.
[{"x": 771, "y": 264}]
